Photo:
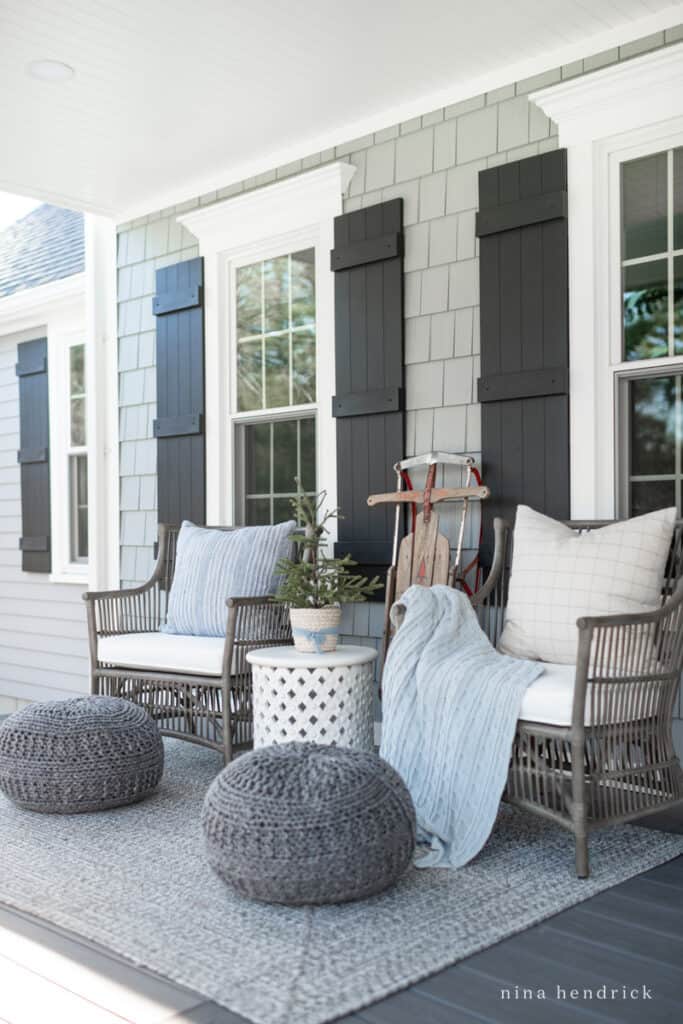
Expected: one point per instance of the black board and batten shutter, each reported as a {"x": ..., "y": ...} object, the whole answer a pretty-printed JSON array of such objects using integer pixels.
[
  {"x": 34, "y": 455},
  {"x": 367, "y": 261},
  {"x": 524, "y": 383},
  {"x": 179, "y": 426}
]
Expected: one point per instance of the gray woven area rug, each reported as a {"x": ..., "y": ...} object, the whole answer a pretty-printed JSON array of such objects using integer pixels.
[{"x": 135, "y": 881}]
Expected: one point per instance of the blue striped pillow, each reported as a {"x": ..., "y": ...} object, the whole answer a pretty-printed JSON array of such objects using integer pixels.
[{"x": 212, "y": 565}]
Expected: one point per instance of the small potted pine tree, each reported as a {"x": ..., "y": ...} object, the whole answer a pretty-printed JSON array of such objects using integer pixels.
[{"x": 315, "y": 586}]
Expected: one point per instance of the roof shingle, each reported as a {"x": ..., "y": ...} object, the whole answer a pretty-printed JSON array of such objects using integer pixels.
[{"x": 45, "y": 245}]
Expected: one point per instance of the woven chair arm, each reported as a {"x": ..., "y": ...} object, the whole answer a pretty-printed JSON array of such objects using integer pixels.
[
  {"x": 253, "y": 618},
  {"x": 588, "y": 623},
  {"x": 120, "y": 594},
  {"x": 250, "y": 602},
  {"x": 627, "y": 658},
  {"x": 494, "y": 580},
  {"x": 253, "y": 622},
  {"x": 118, "y": 612}
]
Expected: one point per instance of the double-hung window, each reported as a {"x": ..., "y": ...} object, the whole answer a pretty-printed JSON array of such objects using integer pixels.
[
  {"x": 274, "y": 318},
  {"x": 77, "y": 456},
  {"x": 650, "y": 376},
  {"x": 269, "y": 352},
  {"x": 69, "y": 455}
]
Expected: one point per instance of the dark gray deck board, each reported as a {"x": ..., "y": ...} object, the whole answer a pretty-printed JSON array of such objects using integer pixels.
[
  {"x": 630, "y": 939},
  {"x": 515, "y": 970},
  {"x": 466, "y": 986},
  {"x": 207, "y": 1013},
  {"x": 411, "y": 1007},
  {"x": 666, "y": 874},
  {"x": 579, "y": 957},
  {"x": 636, "y": 912}
]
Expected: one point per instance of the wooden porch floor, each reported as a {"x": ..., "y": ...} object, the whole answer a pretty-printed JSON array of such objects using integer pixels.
[{"x": 630, "y": 936}]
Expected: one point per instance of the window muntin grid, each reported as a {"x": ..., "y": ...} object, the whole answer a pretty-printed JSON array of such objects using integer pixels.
[
  {"x": 77, "y": 457},
  {"x": 277, "y": 452},
  {"x": 655, "y": 455},
  {"x": 652, "y": 255},
  {"x": 275, "y": 332}
]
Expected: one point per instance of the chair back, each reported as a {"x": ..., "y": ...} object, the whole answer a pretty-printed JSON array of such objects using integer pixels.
[{"x": 491, "y": 601}]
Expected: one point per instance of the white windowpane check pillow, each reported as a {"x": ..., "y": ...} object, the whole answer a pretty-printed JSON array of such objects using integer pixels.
[
  {"x": 213, "y": 565},
  {"x": 558, "y": 575}
]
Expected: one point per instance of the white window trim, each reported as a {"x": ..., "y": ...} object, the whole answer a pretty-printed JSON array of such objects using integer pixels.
[
  {"x": 62, "y": 336},
  {"x": 285, "y": 216},
  {"x": 603, "y": 118}
]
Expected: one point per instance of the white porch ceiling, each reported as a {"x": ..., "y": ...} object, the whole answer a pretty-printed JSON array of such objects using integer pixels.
[{"x": 172, "y": 98}]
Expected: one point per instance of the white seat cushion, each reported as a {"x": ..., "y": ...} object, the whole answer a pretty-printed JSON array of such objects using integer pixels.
[
  {"x": 549, "y": 699},
  {"x": 166, "y": 652}
]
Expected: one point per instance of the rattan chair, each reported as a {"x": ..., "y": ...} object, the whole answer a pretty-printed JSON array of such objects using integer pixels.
[
  {"x": 212, "y": 710},
  {"x": 585, "y": 776}
]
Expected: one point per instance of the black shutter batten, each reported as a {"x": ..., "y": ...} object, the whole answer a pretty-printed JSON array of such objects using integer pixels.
[
  {"x": 369, "y": 404},
  {"x": 179, "y": 426},
  {"x": 524, "y": 384},
  {"x": 33, "y": 455}
]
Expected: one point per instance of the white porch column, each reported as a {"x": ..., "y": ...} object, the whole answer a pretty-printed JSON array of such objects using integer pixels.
[{"x": 102, "y": 402}]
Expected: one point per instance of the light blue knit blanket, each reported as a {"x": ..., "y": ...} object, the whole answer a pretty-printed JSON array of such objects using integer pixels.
[{"x": 450, "y": 708}]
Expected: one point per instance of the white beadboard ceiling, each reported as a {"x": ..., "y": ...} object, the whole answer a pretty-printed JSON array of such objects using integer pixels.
[{"x": 172, "y": 98}]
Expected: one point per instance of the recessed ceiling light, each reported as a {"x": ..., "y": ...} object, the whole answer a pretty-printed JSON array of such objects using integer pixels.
[{"x": 50, "y": 70}]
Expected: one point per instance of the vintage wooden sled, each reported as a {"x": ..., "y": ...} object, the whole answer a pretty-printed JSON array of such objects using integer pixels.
[{"x": 423, "y": 556}]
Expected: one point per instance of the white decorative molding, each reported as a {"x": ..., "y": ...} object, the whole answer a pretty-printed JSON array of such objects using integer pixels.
[
  {"x": 604, "y": 118},
  {"x": 286, "y": 205},
  {"x": 623, "y": 97}
]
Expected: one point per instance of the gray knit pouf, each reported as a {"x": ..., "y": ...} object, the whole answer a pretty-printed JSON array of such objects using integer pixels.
[
  {"x": 300, "y": 823},
  {"x": 82, "y": 754}
]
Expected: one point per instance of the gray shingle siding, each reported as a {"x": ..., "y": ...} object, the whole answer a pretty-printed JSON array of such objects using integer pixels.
[
  {"x": 43, "y": 632},
  {"x": 433, "y": 164},
  {"x": 45, "y": 245}
]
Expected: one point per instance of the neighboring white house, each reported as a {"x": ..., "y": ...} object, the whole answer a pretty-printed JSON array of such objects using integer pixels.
[{"x": 43, "y": 642}]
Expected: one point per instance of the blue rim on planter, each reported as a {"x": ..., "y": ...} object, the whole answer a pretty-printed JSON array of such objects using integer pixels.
[{"x": 315, "y": 637}]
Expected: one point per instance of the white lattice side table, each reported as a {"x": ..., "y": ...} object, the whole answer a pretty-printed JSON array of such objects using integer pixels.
[{"x": 319, "y": 698}]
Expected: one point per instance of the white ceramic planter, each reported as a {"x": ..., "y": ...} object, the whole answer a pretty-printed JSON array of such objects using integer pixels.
[{"x": 315, "y": 630}]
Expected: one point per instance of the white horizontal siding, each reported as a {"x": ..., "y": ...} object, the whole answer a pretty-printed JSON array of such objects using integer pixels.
[{"x": 43, "y": 634}]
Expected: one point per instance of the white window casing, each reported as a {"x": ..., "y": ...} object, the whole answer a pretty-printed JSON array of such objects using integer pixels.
[
  {"x": 63, "y": 335},
  {"x": 294, "y": 214},
  {"x": 604, "y": 119}
]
